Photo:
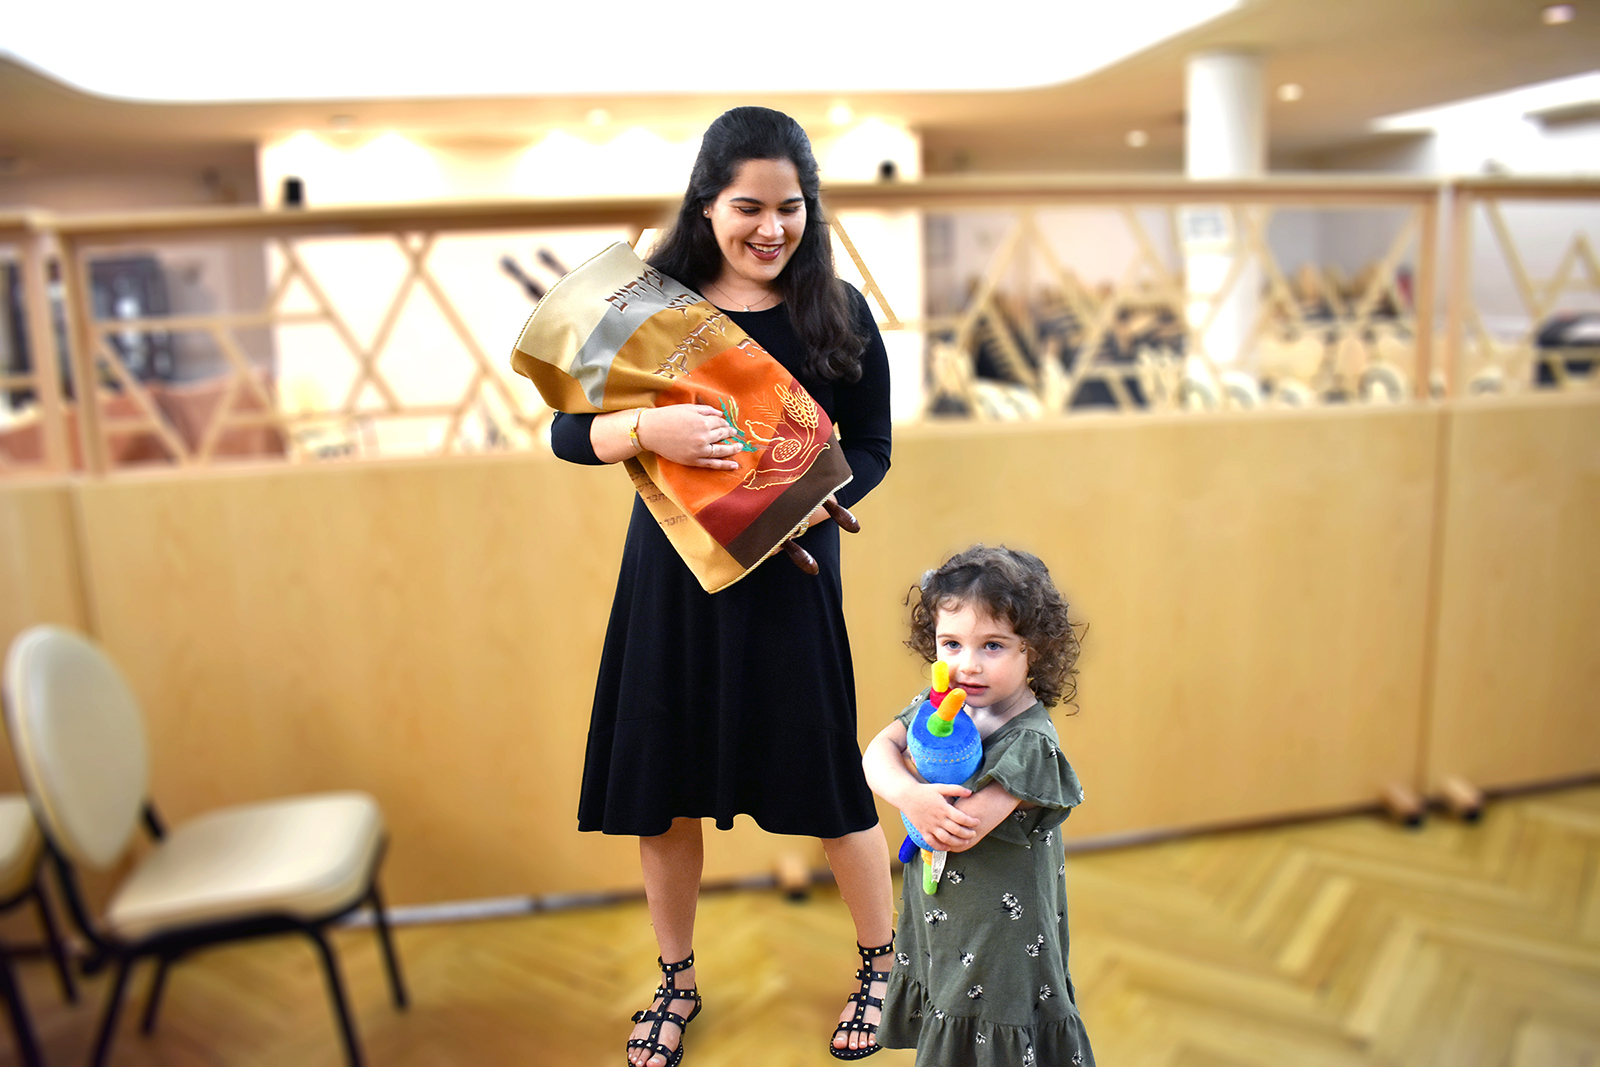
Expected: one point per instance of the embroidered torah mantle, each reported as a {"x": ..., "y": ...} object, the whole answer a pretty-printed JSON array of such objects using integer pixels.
[{"x": 616, "y": 334}]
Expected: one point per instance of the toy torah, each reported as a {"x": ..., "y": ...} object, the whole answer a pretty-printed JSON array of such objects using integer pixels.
[
  {"x": 946, "y": 748},
  {"x": 614, "y": 334}
]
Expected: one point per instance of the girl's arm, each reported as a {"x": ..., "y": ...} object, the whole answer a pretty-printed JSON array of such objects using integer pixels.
[
  {"x": 990, "y": 806},
  {"x": 940, "y": 823}
]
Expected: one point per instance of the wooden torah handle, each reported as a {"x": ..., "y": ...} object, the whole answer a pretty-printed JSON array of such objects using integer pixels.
[
  {"x": 801, "y": 558},
  {"x": 847, "y": 522}
]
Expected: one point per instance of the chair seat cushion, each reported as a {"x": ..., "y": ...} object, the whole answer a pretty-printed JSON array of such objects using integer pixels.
[
  {"x": 19, "y": 845},
  {"x": 307, "y": 857}
]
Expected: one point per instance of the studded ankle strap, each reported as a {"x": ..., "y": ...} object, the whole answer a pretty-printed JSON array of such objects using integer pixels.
[{"x": 867, "y": 954}]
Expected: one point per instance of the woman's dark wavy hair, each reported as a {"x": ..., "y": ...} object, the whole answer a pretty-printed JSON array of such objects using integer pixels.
[
  {"x": 1015, "y": 587},
  {"x": 817, "y": 302}
]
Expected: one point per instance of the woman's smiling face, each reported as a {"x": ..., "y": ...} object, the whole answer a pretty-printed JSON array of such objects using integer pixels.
[{"x": 758, "y": 221}]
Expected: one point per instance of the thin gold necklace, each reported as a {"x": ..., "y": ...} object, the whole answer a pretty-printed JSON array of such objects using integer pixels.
[{"x": 728, "y": 297}]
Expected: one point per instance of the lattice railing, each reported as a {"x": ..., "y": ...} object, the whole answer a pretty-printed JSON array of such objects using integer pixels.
[
  {"x": 338, "y": 331},
  {"x": 34, "y": 423},
  {"x": 1541, "y": 326},
  {"x": 1031, "y": 334},
  {"x": 362, "y": 332}
]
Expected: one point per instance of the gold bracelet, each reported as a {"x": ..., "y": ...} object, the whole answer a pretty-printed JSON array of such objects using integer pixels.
[{"x": 633, "y": 431}]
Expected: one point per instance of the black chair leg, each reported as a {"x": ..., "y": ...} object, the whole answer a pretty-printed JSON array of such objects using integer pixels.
[
  {"x": 21, "y": 1027},
  {"x": 108, "y": 1022},
  {"x": 158, "y": 985},
  {"x": 380, "y": 920},
  {"x": 52, "y": 937},
  {"x": 330, "y": 967}
]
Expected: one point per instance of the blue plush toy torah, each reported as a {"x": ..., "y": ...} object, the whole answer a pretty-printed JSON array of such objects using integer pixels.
[{"x": 945, "y": 746}]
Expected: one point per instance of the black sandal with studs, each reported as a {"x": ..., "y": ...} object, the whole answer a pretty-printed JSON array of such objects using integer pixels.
[
  {"x": 863, "y": 1000},
  {"x": 667, "y": 992}
]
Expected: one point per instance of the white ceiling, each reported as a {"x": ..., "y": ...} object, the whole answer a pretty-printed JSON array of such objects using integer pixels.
[
  {"x": 1358, "y": 60},
  {"x": 197, "y": 51}
]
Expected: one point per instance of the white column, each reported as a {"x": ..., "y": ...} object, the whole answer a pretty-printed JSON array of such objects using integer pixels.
[{"x": 1225, "y": 138}]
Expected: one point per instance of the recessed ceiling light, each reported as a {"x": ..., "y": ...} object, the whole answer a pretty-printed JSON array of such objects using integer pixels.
[
  {"x": 597, "y": 116},
  {"x": 1289, "y": 92},
  {"x": 840, "y": 114},
  {"x": 1558, "y": 14},
  {"x": 1137, "y": 138}
]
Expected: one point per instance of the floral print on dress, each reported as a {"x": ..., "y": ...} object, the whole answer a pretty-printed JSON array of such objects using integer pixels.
[
  {"x": 954, "y": 877},
  {"x": 1032, "y": 947},
  {"x": 1045, "y": 992},
  {"x": 967, "y": 958},
  {"x": 1012, "y": 905},
  {"x": 934, "y": 916},
  {"x": 975, "y": 992},
  {"x": 902, "y": 959}
]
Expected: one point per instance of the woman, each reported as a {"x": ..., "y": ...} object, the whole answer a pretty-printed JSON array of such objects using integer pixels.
[{"x": 742, "y": 701}]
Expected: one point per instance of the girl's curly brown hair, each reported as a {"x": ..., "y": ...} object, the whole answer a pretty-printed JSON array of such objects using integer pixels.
[{"x": 1013, "y": 586}]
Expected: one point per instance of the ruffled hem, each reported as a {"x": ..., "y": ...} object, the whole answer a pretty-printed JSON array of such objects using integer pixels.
[{"x": 910, "y": 1020}]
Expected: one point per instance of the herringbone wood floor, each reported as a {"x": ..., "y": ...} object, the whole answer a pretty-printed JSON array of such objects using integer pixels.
[{"x": 1342, "y": 942}]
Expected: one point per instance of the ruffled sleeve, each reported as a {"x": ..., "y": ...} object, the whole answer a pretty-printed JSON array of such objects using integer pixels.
[
  {"x": 1030, "y": 765},
  {"x": 909, "y": 712}
]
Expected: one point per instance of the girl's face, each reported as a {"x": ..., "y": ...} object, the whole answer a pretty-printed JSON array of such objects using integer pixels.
[
  {"x": 758, "y": 221},
  {"x": 986, "y": 658}
]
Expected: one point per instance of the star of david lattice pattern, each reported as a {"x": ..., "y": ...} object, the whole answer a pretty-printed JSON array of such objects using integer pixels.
[
  {"x": 1034, "y": 337},
  {"x": 1554, "y": 341}
]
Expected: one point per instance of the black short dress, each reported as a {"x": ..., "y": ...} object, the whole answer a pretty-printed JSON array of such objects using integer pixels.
[{"x": 742, "y": 701}]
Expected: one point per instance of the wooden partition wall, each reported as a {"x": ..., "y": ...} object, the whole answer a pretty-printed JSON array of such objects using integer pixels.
[
  {"x": 1258, "y": 589},
  {"x": 1255, "y": 589},
  {"x": 1516, "y": 694}
]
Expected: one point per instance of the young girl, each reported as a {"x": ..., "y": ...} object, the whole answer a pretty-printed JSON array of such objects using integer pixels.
[{"x": 981, "y": 976}]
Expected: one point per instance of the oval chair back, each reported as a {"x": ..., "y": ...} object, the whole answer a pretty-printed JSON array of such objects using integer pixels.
[{"x": 79, "y": 739}]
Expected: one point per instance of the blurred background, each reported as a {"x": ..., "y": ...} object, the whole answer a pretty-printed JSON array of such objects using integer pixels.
[{"x": 1270, "y": 325}]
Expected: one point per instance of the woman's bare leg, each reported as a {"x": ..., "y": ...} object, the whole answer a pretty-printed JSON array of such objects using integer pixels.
[
  {"x": 860, "y": 863},
  {"x": 672, "y": 863}
]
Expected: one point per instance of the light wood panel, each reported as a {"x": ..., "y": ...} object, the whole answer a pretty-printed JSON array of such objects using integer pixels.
[
  {"x": 426, "y": 631},
  {"x": 1518, "y": 662},
  {"x": 39, "y": 571},
  {"x": 1255, "y": 589}
]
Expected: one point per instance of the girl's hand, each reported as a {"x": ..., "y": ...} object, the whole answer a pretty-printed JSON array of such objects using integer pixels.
[
  {"x": 693, "y": 435},
  {"x": 941, "y": 824}
]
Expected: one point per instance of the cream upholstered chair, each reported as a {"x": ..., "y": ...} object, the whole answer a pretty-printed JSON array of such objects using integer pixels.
[
  {"x": 287, "y": 866},
  {"x": 20, "y": 849}
]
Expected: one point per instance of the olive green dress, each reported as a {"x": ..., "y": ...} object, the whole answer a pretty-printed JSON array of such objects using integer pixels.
[{"x": 980, "y": 975}]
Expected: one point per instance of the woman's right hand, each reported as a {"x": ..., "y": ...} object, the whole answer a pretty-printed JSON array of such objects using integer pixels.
[{"x": 694, "y": 435}]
